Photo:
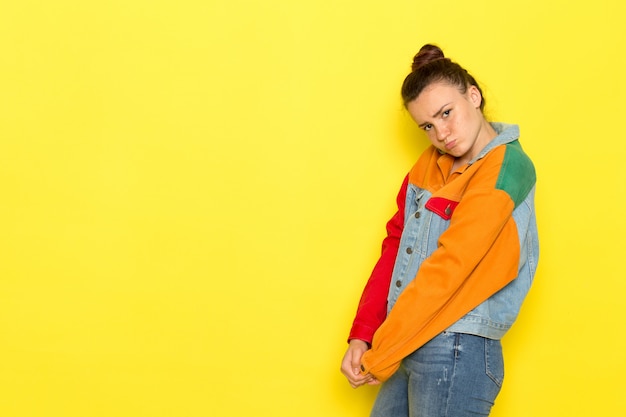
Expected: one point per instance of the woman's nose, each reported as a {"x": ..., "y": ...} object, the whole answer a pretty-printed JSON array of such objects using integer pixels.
[{"x": 442, "y": 133}]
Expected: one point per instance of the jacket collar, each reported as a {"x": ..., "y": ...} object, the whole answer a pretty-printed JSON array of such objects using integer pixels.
[{"x": 507, "y": 133}]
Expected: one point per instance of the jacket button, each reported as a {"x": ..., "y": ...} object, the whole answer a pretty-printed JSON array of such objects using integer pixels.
[
  {"x": 417, "y": 214},
  {"x": 409, "y": 250},
  {"x": 398, "y": 283}
]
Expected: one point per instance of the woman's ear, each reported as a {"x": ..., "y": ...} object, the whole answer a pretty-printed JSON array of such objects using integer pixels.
[{"x": 474, "y": 95}]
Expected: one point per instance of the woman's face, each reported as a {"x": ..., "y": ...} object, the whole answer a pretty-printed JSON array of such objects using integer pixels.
[{"x": 452, "y": 121}]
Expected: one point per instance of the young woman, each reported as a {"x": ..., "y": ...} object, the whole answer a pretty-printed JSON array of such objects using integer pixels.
[{"x": 458, "y": 260}]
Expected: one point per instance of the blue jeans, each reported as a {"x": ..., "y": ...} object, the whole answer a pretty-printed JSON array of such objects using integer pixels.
[{"x": 453, "y": 375}]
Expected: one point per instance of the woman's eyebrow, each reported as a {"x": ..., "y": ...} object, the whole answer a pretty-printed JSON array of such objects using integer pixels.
[{"x": 436, "y": 114}]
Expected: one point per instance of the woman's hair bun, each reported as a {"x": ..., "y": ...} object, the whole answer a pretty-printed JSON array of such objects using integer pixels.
[
  {"x": 430, "y": 66},
  {"x": 427, "y": 54}
]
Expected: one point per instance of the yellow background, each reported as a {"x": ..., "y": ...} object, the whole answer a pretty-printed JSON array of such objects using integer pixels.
[{"x": 193, "y": 193}]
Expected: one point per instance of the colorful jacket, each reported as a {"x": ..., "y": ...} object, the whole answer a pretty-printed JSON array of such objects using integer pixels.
[{"x": 460, "y": 253}]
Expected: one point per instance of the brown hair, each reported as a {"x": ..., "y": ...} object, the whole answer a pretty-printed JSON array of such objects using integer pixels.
[{"x": 430, "y": 66}]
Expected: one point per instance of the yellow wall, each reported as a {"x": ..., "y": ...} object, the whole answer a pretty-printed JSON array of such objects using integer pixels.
[{"x": 193, "y": 193}]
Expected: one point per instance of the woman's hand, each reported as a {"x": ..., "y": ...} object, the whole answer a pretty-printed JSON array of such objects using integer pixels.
[{"x": 351, "y": 365}]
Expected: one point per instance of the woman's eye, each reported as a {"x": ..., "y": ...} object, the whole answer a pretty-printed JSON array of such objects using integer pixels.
[
  {"x": 446, "y": 113},
  {"x": 428, "y": 127}
]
